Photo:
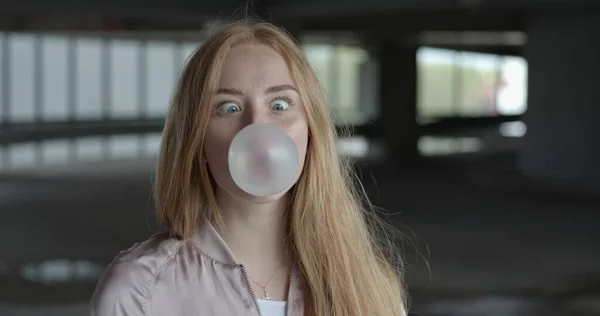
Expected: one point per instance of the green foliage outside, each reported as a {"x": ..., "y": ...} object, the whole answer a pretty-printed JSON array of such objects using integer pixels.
[
  {"x": 451, "y": 90},
  {"x": 442, "y": 89}
]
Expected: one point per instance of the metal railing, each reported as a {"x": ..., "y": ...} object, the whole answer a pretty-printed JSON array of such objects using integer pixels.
[{"x": 39, "y": 131}]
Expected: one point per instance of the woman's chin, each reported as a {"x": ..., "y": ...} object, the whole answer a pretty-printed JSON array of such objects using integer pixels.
[{"x": 255, "y": 199}]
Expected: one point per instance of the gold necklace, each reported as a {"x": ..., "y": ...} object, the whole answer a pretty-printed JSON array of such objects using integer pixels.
[{"x": 266, "y": 295}]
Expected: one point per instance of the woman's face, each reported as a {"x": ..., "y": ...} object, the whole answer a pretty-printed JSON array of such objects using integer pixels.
[{"x": 255, "y": 87}]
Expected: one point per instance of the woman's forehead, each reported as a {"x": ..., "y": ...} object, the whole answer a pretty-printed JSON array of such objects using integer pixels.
[{"x": 256, "y": 65}]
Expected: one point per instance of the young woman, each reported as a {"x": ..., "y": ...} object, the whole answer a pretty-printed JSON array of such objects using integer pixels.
[{"x": 315, "y": 249}]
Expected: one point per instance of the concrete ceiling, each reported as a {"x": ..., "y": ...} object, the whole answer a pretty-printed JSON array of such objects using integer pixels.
[{"x": 311, "y": 14}]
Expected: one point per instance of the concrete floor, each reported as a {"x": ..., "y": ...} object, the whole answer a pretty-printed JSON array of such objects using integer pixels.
[{"x": 494, "y": 243}]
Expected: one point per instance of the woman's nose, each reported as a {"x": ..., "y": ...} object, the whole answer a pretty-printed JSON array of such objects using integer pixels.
[{"x": 255, "y": 115}]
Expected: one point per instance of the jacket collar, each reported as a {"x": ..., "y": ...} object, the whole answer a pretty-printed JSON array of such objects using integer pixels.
[{"x": 210, "y": 242}]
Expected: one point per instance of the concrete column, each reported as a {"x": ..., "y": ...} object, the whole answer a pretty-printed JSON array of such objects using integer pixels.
[
  {"x": 562, "y": 144},
  {"x": 398, "y": 99}
]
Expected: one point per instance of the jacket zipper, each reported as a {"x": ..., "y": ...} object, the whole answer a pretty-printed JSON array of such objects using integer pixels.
[
  {"x": 251, "y": 290},
  {"x": 289, "y": 303}
]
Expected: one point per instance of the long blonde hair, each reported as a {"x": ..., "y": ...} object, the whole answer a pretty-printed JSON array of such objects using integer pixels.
[{"x": 339, "y": 243}]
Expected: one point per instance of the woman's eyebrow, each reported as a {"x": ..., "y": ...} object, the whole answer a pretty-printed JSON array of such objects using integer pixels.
[
  {"x": 280, "y": 88},
  {"x": 229, "y": 91}
]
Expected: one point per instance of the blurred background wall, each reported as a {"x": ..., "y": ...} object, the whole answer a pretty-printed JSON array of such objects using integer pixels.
[{"x": 475, "y": 129}]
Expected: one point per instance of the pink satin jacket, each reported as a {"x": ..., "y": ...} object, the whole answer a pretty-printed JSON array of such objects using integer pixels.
[{"x": 164, "y": 276}]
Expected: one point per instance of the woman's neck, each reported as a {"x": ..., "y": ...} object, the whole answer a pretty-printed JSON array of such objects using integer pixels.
[{"x": 254, "y": 232}]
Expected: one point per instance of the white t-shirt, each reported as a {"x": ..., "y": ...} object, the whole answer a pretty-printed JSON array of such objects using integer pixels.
[{"x": 272, "y": 308}]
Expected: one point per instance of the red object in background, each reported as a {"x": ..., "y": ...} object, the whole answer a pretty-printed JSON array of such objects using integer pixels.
[{"x": 114, "y": 26}]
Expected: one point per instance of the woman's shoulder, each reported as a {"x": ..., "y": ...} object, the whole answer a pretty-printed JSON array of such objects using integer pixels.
[{"x": 125, "y": 285}]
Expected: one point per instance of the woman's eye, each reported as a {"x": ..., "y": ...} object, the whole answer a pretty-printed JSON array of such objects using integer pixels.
[
  {"x": 280, "y": 105},
  {"x": 228, "y": 107}
]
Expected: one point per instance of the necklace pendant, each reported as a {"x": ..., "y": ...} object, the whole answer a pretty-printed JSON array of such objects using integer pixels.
[{"x": 267, "y": 297}]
